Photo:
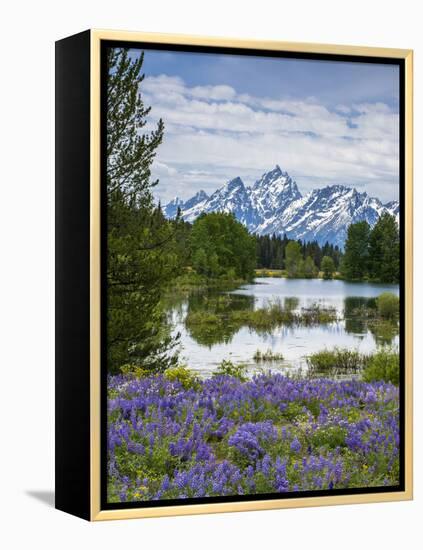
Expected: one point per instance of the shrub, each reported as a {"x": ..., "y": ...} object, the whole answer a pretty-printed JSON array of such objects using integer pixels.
[
  {"x": 227, "y": 368},
  {"x": 383, "y": 365},
  {"x": 329, "y": 436},
  {"x": 388, "y": 305},
  {"x": 293, "y": 411},
  {"x": 134, "y": 370},
  {"x": 328, "y": 267},
  {"x": 202, "y": 318},
  {"x": 183, "y": 375}
]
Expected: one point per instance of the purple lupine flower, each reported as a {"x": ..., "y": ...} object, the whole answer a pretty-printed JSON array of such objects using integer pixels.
[
  {"x": 295, "y": 445},
  {"x": 189, "y": 426}
]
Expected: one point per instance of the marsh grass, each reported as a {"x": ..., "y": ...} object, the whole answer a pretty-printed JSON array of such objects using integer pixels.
[
  {"x": 316, "y": 315},
  {"x": 381, "y": 365},
  {"x": 267, "y": 356},
  {"x": 335, "y": 362}
]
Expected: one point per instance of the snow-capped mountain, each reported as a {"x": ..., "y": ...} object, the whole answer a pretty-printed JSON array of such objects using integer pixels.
[
  {"x": 325, "y": 214},
  {"x": 393, "y": 208},
  {"x": 198, "y": 198},
  {"x": 274, "y": 204},
  {"x": 171, "y": 208},
  {"x": 232, "y": 197},
  {"x": 273, "y": 193}
]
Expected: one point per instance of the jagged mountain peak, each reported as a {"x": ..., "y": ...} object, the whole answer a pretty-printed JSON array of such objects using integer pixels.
[
  {"x": 234, "y": 184},
  {"x": 176, "y": 200},
  {"x": 274, "y": 192},
  {"x": 171, "y": 208},
  {"x": 198, "y": 198},
  {"x": 201, "y": 195},
  {"x": 392, "y": 205},
  {"x": 276, "y": 172},
  {"x": 232, "y": 193},
  {"x": 271, "y": 176},
  {"x": 333, "y": 190}
]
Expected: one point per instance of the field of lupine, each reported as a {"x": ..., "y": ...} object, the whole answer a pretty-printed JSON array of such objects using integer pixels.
[{"x": 269, "y": 434}]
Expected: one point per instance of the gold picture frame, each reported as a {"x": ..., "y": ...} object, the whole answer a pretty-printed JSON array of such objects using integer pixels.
[{"x": 87, "y": 502}]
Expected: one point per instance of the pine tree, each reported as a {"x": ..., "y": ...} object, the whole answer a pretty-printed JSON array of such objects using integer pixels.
[
  {"x": 355, "y": 262},
  {"x": 140, "y": 258},
  {"x": 384, "y": 250}
]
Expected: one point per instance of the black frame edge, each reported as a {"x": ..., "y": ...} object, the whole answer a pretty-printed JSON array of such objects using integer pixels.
[{"x": 72, "y": 211}]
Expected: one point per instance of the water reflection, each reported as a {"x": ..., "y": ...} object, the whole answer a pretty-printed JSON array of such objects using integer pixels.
[
  {"x": 209, "y": 305},
  {"x": 291, "y": 303},
  {"x": 361, "y": 317},
  {"x": 356, "y": 312},
  {"x": 205, "y": 344}
]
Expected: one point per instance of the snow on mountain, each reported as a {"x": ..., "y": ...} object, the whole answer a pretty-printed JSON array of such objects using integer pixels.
[
  {"x": 274, "y": 204},
  {"x": 198, "y": 198},
  {"x": 273, "y": 193},
  {"x": 393, "y": 208},
  {"x": 232, "y": 197},
  {"x": 171, "y": 209},
  {"x": 325, "y": 214}
]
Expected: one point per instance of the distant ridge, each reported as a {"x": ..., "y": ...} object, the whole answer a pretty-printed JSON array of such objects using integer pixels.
[{"x": 274, "y": 204}]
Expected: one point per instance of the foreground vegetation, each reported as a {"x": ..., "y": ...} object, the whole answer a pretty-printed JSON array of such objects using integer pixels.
[{"x": 265, "y": 435}]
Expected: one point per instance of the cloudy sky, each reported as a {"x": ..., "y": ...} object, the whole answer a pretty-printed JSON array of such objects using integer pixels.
[{"x": 226, "y": 116}]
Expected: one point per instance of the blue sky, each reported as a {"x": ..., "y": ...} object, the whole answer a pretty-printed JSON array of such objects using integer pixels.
[{"x": 226, "y": 116}]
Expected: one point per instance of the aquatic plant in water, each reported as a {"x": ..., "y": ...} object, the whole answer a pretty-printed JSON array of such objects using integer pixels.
[{"x": 267, "y": 356}]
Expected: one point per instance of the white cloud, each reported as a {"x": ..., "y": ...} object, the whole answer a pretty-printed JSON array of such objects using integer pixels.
[
  {"x": 221, "y": 92},
  {"x": 162, "y": 169},
  {"x": 212, "y": 132},
  {"x": 343, "y": 109}
]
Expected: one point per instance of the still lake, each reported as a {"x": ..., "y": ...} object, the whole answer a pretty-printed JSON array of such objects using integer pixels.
[{"x": 203, "y": 352}]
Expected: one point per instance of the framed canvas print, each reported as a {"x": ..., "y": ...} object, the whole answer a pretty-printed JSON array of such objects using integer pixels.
[{"x": 233, "y": 275}]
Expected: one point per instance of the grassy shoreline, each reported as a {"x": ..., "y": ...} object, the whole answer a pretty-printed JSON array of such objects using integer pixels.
[{"x": 191, "y": 278}]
